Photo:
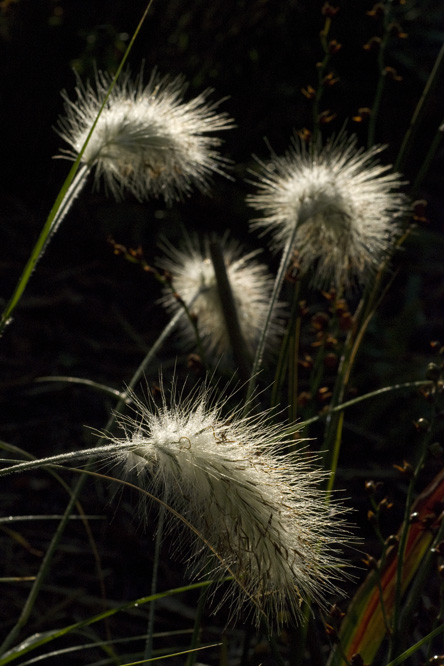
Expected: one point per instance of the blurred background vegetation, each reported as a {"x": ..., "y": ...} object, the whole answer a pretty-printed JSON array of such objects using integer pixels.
[{"x": 88, "y": 313}]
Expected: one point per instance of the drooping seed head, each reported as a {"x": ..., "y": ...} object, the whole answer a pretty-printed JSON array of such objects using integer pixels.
[{"x": 258, "y": 507}]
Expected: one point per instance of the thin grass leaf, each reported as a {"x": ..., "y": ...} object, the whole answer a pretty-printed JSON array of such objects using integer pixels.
[
  {"x": 37, "y": 640},
  {"x": 74, "y": 180},
  {"x": 363, "y": 628}
]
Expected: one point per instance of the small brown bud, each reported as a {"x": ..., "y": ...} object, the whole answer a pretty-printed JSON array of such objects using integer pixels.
[
  {"x": 329, "y": 10},
  {"x": 391, "y": 73},
  {"x": 323, "y": 394},
  {"x": 371, "y": 487},
  {"x": 373, "y": 44},
  {"x": 341, "y": 305},
  {"x": 326, "y": 117},
  {"x": 304, "y": 398},
  {"x": 385, "y": 505},
  {"x": 397, "y": 31},
  {"x": 377, "y": 11},
  {"x": 336, "y": 613},
  {"x": 309, "y": 92},
  {"x": 370, "y": 562},
  {"x": 392, "y": 540},
  {"x": 405, "y": 469},
  {"x": 331, "y": 632},
  {"x": 363, "y": 114},
  {"x": 330, "y": 79},
  {"x": 334, "y": 46},
  {"x": 441, "y": 571},
  {"x": 304, "y": 134},
  {"x": 371, "y": 517},
  {"x": 306, "y": 362}
]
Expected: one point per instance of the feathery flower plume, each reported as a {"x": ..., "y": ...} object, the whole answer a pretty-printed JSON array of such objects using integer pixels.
[
  {"x": 345, "y": 206},
  {"x": 193, "y": 272},
  {"x": 255, "y": 505},
  {"x": 148, "y": 140}
]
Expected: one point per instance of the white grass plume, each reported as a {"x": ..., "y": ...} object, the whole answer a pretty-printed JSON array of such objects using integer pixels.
[
  {"x": 261, "y": 509},
  {"x": 346, "y": 206},
  {"x": 147, "y": 140},
  {"x": 251, "y": 284}
]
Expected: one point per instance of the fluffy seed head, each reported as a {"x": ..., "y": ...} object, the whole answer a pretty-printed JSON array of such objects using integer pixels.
[
  {"x": 147, "y": 140},
  {"x": 345, "y": 205},
  {"x": 251, "y": 284},
  {"x": 255, "y": 505}
]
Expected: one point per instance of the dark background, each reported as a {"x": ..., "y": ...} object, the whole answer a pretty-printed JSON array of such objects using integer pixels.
[{"x": 87, "y": 313}]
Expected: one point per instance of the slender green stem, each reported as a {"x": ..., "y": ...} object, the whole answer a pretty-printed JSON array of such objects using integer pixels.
[
  {"x": 381, "y": 80},
  {"x": 320, "y": 86},
  {"x": 279, "y": 377},
  {"x": 417, "y": 114},
  {"x": 47, "y": 637},
  {"x": 195, "y": 639},
  {"x": 285, "y": 260},
  {"x": 368, "y": 396},
  {"x": 67, "y": 194},
  {"x": 417, "y": 586},
  {"x": 157, "y": 546},
  {"x": 297, "y": 657},
  {"x": 230, "y": 313},
  {"x": 66, "y": 379},
  {"x": 41, "y": 575},
  {"x": 422, "y": 172},
  {"x": 60, "y": 458},
  {"x": 293, "y": 367},
  {"x": 417, "y": 646},
  {"x": 395, "y": 636},
  {"x": 335, "y": 455}
]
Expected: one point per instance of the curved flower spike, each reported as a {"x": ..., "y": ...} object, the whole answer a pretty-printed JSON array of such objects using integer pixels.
[
  {"x": 147, "y": 140},
  {"x": 346, "y": 207},
  {"x": 260, "y": 509}
]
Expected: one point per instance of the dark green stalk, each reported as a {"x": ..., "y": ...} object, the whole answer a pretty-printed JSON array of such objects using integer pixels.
[
  {"x": 195, "y": 639},
  {"x": 320, "y": 86},
  {"x": 418, "y": 112},
  {"x": 279, "y": 377},
  {"x": 381, "y": 80},
  {"x": 368, "y": 396},
  {"x": 151, "y": 614},
  {"x": 240, "y": 351},
  {"x": 422, "y": 172},
  {"x": 417, "y": 646},
  {"x": 285, "y": 260}
]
